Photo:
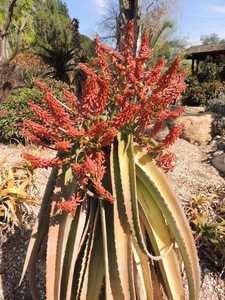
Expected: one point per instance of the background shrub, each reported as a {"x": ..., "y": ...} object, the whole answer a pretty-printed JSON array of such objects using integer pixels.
[
  {"x": 16, "y": 109},
  {"x": 200, "y": 93},
  {"x": 217, "y": 105}
]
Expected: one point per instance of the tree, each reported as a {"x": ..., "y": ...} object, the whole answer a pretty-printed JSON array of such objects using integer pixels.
[
  {"x": 153, "y": 18},
  {"x": 129, "y": 10},
  {"x": 5, "y": 32},
  {"x": 212, "y": 38},
  {"x": 11, "y": 29},
  {"x": 164, "y": 43},
  {"x": 52, "y": 24},
  {"x": 150, "y": 13}
]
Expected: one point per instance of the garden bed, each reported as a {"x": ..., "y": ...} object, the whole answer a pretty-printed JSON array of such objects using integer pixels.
[{"x": 192, "y": 175}]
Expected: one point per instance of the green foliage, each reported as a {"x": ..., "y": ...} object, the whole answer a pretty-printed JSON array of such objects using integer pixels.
[
  {"x": 212, "y": 38},
  {"x": 52, "y": 24},
  {"x": 217, "y": 105},
  {"x": 207, "y": 84},
  {"x": 23, "y": 9},
  {"x": 16, "y": 109},
  {"x": 17, "y": 195},
  {"x": 164, "y": 43},
  {"x": 207, "y": 219},
  {"x": 200, "y": 93}
]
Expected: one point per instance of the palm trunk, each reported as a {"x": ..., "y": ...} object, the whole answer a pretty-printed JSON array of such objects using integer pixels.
[{"x": 129, "y": 10}]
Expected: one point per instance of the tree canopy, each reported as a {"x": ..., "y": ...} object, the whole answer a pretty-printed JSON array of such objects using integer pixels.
[{"x": 212, "y": 38}]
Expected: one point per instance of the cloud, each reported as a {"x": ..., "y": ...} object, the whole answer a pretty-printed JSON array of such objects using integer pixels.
[
  {"x": 217, "y": 8},
  {"x": 101, "y": 4}
]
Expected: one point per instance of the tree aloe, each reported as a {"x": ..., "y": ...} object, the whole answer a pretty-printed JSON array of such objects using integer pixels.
[{"x": 114, "y": 228}]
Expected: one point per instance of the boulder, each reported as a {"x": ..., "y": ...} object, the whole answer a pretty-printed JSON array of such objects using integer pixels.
[
  {"x": 197, "y": 127},
  {"x": 219, "y": 125},
  {"x": 219, "y": 163}
]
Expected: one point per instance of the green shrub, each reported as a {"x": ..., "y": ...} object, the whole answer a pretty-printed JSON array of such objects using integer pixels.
[
  {"x": 217, "y": 105},
  {"x": 200, "y": 93},
  {"x": 16, "y": 109}
]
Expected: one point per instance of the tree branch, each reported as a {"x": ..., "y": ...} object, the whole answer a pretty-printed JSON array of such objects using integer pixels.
[
  {"x": 18, "y": 36},
  {"x": 8, "y": 20}
]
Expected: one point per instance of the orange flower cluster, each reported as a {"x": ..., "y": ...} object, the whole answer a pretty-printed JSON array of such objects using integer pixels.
[{"x": 121, "y": 94}]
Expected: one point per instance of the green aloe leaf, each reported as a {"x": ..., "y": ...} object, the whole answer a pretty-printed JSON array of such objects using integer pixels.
[
  {"x": 96, "y": 268},
  {"x": 126, "y": 190},
  {"x": 58, "y": 234},
  {"x": 161, "y": 240},
  {"x": 74, "y": 244},
  {"x": 81, "y": 292},
  {"x": 38, "y": 233},
  {"x": 157, "y": 185}
]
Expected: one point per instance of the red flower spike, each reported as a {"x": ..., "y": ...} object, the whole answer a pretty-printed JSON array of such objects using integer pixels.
[
  {"x": 75, "y": 133},
  {"x": 41, "y": 113},
  {"x": 98, "y": 129},
  {"x": 69, "y": 206},
  {"x": 70, "y": 98},
  {"x": 42, "y": 163},
  {"x": 125, "y": 116},
  {"x": 32, "y": 138},
  {"x": 145, "y": 51},
  {"x": 166, "y": 161},
  {"x": 108, "y": 136},
  {"x": 64, "y": 146},
  {"x": 37, "y": 129},
  {"x": 175, "y": 132},
  {"x": 102, "y": 192},
  {"x": 130, "y": 36},
  {"x": 60, "y": 115}
]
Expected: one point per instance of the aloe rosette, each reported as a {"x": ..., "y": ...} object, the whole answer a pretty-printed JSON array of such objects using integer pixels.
[{"x": 113, "y": 226}]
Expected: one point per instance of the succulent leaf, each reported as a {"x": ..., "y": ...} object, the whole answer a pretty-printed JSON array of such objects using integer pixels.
[
  {"x": 159, "y": 235},
  {"x": 157, "y": 185}
]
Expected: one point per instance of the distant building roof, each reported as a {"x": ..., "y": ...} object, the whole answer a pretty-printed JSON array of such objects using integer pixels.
[{"x": 201, "y": 51}]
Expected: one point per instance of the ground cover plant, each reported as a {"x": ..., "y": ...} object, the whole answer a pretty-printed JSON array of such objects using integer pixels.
[
  {"x": 207, "y": 219},
  {"x": 114, "y": 228},
  {"x": 17, "y": 196},
  {"x": 16, "y": 109}
]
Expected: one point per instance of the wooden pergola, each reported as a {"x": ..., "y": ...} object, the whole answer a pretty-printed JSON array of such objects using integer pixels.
[{"x": 201, "y": 52}]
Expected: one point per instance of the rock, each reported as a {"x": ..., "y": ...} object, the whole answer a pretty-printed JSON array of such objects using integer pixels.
[
  {"x": 218, "y": 153},
  {"x": 219, "y": 126},
  {"x": 163, "y": 133},
  {"x": 194, "y": 109},
  {"x": 219, "y": 163},
  {"x": 197, "y": 128},
  {"x": 221, "y": 145}
]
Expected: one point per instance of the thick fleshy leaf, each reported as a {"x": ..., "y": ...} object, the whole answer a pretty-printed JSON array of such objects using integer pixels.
[
  {"x": 96, "y": 268},
  {"x": 85, "y": 266},
  {"x": 143, "y": 274},
  {"x": 161, "y": 241},
  {"x": 73, "y": 247},
  {"x": 58, "y": 234},
  {"x": 125, "y": 190},
  {"x": 118, "y": 240},
  {"x": 157, "y": 185},
  {"x": 39, "y": 230}
]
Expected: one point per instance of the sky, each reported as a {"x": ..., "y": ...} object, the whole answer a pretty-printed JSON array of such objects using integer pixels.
[{"x": 194, "y": 18}]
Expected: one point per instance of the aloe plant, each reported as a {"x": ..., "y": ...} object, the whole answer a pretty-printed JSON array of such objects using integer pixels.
[{"x": 114, "y": 228}]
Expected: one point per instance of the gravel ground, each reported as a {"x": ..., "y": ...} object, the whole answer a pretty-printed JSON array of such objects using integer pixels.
[{"x": 192, "y": 175}]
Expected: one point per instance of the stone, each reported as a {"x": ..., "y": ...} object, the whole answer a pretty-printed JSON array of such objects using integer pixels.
[
  {"x": 221, "y": 145},
  {"x": 219, "y": 163},
  {"x": 197, "y": 127},
  {"x": 219, "y": 126}
]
